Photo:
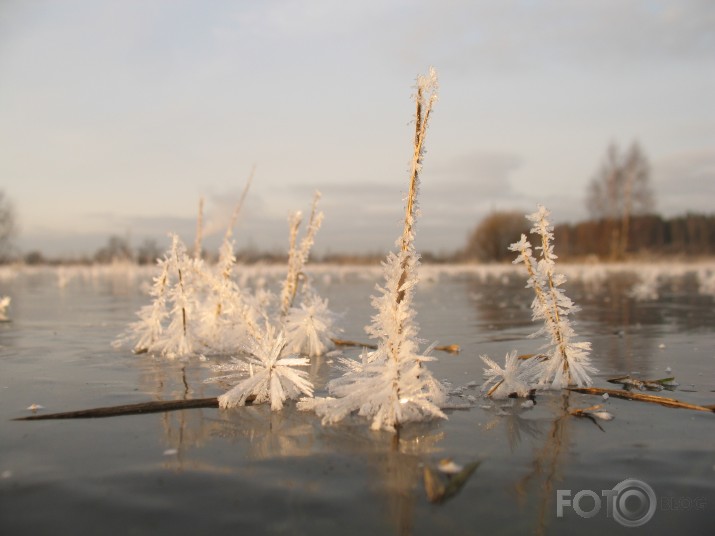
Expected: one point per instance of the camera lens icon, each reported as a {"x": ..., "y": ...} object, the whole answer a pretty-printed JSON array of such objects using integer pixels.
[{"x": 634, "y": 503}]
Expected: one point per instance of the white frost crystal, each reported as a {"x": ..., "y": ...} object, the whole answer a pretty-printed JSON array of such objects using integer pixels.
[
  {"x": 517, "y": 375},
  {"x": 271, "y": 378},
  {"x": 309, "y": 328}
]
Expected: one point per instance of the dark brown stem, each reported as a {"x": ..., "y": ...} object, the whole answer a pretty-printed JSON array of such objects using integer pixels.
[
  {"x": 663, "y": 401},
  {"x": 155, "y": 406},
  {"x": 449, "y": 348}
]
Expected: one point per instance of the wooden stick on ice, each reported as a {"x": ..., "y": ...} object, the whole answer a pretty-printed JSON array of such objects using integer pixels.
[{"x": 628, "y": 395}]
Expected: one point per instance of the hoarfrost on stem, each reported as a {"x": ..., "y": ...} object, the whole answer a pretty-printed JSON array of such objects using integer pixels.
[
  {"x": 310, "y": 327},
  {"x": 165, "y": 326},
  {"x": 568, "y": 362},
  {"x": 391, "y": 385}
]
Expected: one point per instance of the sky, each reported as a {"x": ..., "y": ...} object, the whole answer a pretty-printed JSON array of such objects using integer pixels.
[{"x": 116, "y": 117}]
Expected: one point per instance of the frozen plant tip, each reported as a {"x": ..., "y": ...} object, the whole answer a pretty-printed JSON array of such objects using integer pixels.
[
  {"x": 567, "y": 361},
  {"x": 298, "y": 253},
  {"x": 271, "y": 378},
  {"x": 391, "y": 385}
]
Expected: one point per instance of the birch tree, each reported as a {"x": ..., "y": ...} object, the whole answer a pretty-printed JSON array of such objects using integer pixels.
[{"x": 620, "y": 190}]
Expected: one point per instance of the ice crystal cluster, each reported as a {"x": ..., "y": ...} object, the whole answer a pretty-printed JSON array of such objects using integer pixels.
[
  {"x": 266, "y": 376},
  {"x": 164, "y": 327},
  {"x": 518, "y": 376},
  {"x": 391, "y": 385},
  {"x": 563, "y": 361},
  {"x": 198, "y": 308}
]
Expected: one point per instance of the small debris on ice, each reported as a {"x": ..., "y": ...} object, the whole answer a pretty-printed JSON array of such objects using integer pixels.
[{"x": 448, "y": 466}]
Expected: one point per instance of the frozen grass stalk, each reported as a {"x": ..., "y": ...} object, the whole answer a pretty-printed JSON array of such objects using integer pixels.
[
  {"x": 199, "y": 230},
  {"x": 298, "y": 254},
  {"x": 567, "y": 361},
  {"x": 391, "y": 386}
]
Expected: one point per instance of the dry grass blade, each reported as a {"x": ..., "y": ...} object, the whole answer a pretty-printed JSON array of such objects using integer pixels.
[
  {"x": 239, "y": 205},
  {"x": 199, "y": 229},
  {"x": 155, "y": 406},
  {"x": 345, "y": 342},
  {"x": 449, "y": 348},
  {"x": 650, "y": 385},
  {"x": 629, "y": 395},
  {"x": 592, "y": 413}
]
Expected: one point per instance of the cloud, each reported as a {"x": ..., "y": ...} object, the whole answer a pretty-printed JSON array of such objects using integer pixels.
[
  {"x": 472, "y": 175},
  {"x": 513, "y": 34},
  {"x": 686, "y": 180}
]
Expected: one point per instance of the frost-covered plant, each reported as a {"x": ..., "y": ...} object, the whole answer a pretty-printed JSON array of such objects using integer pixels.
[
  {"x": 219, "y": 325},
  {"x": 391, "y": 385},
  {"x": 567, "y": 361},
  {"x": 646, "y": 288},
  {"x": 310, "y": 327},
  {"x": 196, "y": 307},
  {"x": 148, "y": 331},
  {"x": 4, "y": 304},
  {"x": 517, "y": 376},
  {"x": 178, "y": 339},
  {"x": 298, "y": 253},
  {"x": 164, "y": 327},
  {"x": 706, "y": 281},
  {"x": 270, "y": 376}
]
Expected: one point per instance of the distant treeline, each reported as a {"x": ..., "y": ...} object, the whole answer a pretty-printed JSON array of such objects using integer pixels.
[
  {"x": 692, "y": 235},
  {"x": 649, "y": 235}
]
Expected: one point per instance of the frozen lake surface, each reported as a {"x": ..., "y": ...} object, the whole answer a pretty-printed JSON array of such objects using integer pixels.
[{"x": 205, "y": 471}]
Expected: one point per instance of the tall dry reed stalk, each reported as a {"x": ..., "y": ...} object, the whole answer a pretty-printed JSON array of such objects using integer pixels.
[
  {"x": 298, "y": 253},
  {"x": 199, "y": 230},
  {"x": 390, "y": 385}
]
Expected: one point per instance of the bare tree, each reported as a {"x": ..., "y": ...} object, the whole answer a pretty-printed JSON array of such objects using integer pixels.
[
  {"x": 7, "y": 228},
  {"x": 148, "y": 252},
  {"x": 117, "y": 249},
  {"x": 490, "y": 239},
  {"x": 620, "y": 190}
]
